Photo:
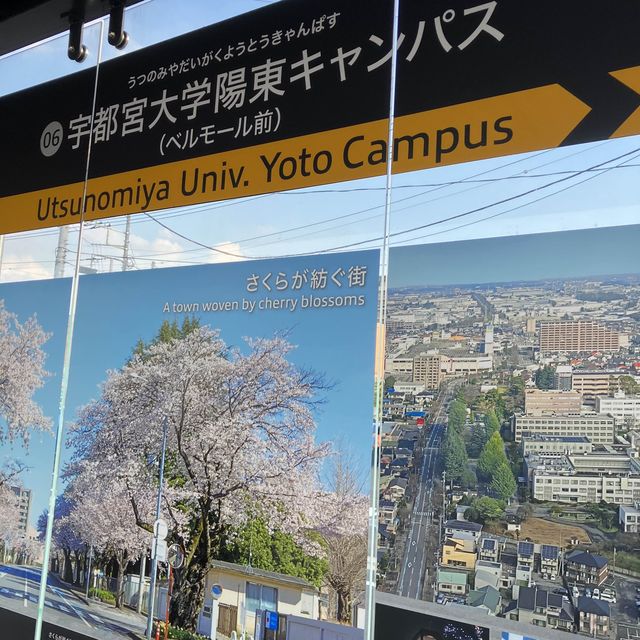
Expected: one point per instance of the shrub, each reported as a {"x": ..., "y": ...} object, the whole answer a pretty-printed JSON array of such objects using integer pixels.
[
  {"x": 103, "y": 595},
  {"x": 175, "y": 633}
]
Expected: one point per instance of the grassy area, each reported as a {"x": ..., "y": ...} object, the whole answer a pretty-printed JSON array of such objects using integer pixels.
[
  {"x": 626, "y": 560},
  {"x": 545, "y": 532}
]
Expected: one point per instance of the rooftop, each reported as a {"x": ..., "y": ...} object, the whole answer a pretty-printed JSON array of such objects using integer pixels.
[
  {"x": 589, "y": 559},
  {"x": 452, "y": 577},
  {"x": 525, "y": 548},
  {"x": 463, "y": 525},
  {"x": 594, "y": 605},
  {"x": 487, "y": 596},
  {"x": 532, "y": 597},
  {"x": 549, "y": 552},
  {"x": 259, "y": 573}
]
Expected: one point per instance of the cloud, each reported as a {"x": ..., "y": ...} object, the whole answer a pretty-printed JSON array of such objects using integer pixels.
[
  {"x": 16, "y": 268},
  {"x": 223, "y": 251}
]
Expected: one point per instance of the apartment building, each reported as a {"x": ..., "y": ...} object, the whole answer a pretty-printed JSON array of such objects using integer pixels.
[
  {"x": 538, "y": 402},
  {"x": 577, "y": 336},
  {"x": 586, "y": 568},
  {"x": 23, "y": 506},
  {"x": 587, "y": 478},
  {"x": 591, "y": 383},
  {"x": 598, "y": 428},
  {"x": 428, "y": 370}
]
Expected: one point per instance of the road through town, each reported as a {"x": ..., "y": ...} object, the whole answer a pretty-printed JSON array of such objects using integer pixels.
[{"x": 417, "y": 567}]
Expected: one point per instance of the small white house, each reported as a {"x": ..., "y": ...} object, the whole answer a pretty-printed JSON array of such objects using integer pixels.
[{"x": 246, "y": 589}]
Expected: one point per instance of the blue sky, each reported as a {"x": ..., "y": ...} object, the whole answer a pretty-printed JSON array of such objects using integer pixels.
[
  {"x": 115, "y": 310},
  {"x": 568, "y": 254}
]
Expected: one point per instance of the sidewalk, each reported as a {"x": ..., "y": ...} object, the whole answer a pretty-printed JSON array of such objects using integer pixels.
[{"x": 126, "y": 617}]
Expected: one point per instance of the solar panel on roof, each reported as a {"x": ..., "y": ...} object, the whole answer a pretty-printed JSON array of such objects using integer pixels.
[
  {"x": 525, "y": 548},
  {"x": 549, "y": 551}
]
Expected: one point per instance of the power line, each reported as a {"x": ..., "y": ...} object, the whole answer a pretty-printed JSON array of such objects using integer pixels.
[
  {"x": 521, "y": 206},
  {"x": 208, "y": 207},
  {"x": 484, "y": 207},
  {"x": 419, "y": 227}
]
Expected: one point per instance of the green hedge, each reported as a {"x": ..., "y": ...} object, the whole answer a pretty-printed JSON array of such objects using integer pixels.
[
  {"x": 179, "y": 634},
  {"x": 103, "y": 595}
]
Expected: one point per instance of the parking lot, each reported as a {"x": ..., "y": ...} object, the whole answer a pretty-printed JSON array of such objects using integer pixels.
[{"x": 625, "y": 612}]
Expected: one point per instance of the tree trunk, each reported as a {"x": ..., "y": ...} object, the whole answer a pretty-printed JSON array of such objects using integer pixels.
[
  {"x": 344, "y": 607},
  {"x": 77, "y": 582},
  {"x": 121, "y": 559},
  {"x": 68, "y": 568},
  {"x": 188, "y": 589}
]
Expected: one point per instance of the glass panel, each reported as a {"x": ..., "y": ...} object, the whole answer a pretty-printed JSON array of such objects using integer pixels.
[
  {"x": 36, "y": 317},
  {"x": 303, "y": 311},
  {"x": 253, "y": 597},
  {"x": 269, "y": 598}
]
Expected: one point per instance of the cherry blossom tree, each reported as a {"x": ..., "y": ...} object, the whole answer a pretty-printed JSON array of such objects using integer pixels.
[
  {"x": 343, "y": 526},
  {"x": 241, "y": 440},
  {"x": 65, "y": 540},
  {"x": 101, "y": 518},
  {"x": 21, "y": 374},
  {"x": 9, "y": 531}
]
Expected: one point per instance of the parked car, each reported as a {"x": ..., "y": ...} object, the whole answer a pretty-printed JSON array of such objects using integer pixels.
[
  {"x": 440, "y": 600},
  {"x": 575, "y": 592},
  {"x": 596, "y": 593},
  {"x": 587, "y": 592},
  {"x": 608, "y": 597}
]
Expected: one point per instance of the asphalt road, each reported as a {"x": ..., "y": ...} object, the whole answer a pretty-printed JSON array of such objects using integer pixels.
[
  {"x": 416, "y": 566},
  {"x": 19, "y": 586}
]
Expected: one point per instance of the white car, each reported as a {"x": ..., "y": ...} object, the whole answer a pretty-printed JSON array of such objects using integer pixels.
[
  {"x": 596, "y": 593},
  {"x": 575, "y": 592},
  {"x": 608, "y": 597}
]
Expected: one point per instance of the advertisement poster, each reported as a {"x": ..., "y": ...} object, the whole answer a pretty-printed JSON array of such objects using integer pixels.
[
  {"x": 394, "y": 622},
  {"x": 248, "y": 386},
  {"x": 510, "y": 435}
]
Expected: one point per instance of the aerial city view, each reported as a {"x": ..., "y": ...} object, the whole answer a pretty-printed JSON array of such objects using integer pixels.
[{"x": 509, "y": 468}]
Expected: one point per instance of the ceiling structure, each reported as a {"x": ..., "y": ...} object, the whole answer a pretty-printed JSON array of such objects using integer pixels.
[{"x": 23, "y": 22}]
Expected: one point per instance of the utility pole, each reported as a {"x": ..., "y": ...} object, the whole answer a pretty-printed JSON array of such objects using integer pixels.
[
  {"x": 143, "y": 570},
  {"x": 61, "y": 252},
  {"x": 89, "y": 571},
  {"x": 125, "y": 248},
  {"x": 154, "y": 563}
]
